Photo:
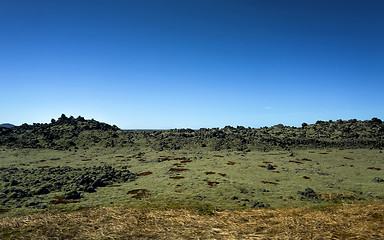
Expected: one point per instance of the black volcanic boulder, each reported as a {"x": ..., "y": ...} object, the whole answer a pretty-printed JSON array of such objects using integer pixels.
[
  {"x": 309, "y": 193},
  {"x": 270, "y": 167},
  {"x": 377, "y": 179},
  {"x": 72, "y": 195}
]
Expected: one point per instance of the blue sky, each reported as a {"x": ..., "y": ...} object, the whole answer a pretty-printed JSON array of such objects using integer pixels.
[{"x": 191, "y": 63}]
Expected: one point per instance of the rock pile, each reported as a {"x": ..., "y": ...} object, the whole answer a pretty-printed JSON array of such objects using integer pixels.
[
  {"x": 62, "y": 134},
  {"x": 322, "y": 134},
  {"x": 71, "y": 133},
  {"x": 309, "y": 193},
  {"x": 24, "y": 187}
]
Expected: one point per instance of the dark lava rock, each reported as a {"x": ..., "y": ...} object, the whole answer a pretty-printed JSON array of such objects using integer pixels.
[
  {"x": 90, "y": 190},
  {"x": 42, "y": 190},
  {"x": 14, "y": 183},
  {"x": 377, "y": 179},
  {"x": 68, "y": 133},
  {"x": 309, "y": 193},
  {"x": 72, "y": 195},
  {"x": 98, "y": 183},
  {"x": 40, "y": 182},
  {"x": 259, "y": 205},
  {"x": 270, "y": 167},
  {"x": 32, "y": 204}
]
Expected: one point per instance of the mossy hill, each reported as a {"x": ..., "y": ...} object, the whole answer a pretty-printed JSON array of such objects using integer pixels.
[{"x": 69, "y": 133}]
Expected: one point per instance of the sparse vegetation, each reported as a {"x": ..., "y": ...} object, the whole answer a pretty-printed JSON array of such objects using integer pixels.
[
  {"x": 340, "y": 222},
  {"x": 232, "y": 183}
]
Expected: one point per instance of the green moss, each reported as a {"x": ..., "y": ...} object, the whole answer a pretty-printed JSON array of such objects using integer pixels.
[{"x": 236, "y": 186}]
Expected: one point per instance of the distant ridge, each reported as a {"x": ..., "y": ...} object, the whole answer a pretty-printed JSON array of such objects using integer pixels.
[
  {"x": 7, "y": 125},
  {"x": 69, "y": 133}
]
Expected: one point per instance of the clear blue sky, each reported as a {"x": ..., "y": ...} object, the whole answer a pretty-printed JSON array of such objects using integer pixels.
[{"x": 191, "y": 63}]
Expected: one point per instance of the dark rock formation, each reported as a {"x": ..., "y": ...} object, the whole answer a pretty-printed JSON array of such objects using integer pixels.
[
  {"x": 309, "y": 193},
  {"x": 69, "y": 133},
  {"x": 71, "y": 181},
  {"x": 62, "y": 134}
]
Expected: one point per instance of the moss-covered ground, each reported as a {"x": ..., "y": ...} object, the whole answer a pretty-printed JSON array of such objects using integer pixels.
[{"x": 218, "y": 179}]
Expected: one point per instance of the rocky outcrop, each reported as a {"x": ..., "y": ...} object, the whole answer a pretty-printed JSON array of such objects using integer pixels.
[
  {"x": 72, "y": 133},
  {"x": 322, "y": 134},
  {"x": 27, "y": 187},
  {"x": 65, "y": 133}
]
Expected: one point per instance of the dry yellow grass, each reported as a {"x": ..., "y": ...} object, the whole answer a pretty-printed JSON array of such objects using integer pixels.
[{"x": 350, "y": 221}]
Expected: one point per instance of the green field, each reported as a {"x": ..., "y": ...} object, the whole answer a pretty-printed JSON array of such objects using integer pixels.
[{"x": 210, "y": 180}]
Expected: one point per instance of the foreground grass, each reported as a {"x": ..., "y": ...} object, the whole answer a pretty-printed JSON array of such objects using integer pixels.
[{"x": 348, "y": 221}]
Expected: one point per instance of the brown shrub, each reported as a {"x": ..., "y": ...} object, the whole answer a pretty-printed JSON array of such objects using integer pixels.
[
  {"x": 178, "y": 169},
  {"x": 212, "y": 183},
  {"x": 144, "y": 173},
  {"x": 267, "y": 182}
]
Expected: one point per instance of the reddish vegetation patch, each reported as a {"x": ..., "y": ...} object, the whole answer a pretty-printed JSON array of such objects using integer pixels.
[
  {"x": 178, "y": 164},
  {"x": 67, "y": 162},
  {"x": 348, "y": 158},
  {"x": 306, "y": 177},
  {"x": 145, "y": 173},
  {"x": 212, "y": 183},
  {"x": 120, "y": 156},
  {"x": 116, "y": 185},
  {"x": 169, "y": 158},
  {"x": 136, "y": 191},
  {"x": 186, "y": 161},
  {"x": 43, "y": 160},
  {"x": 218, "y": 156},
  {"x": 222, "y": 174},
  {"x": 267, "y": 182},
  {"x": 324, "y": 153},
  {"x": 295, "y": 161},
  {"x": 306, "y": 159},
  {"x": 87, "y": 160},
  {"x": 60, "y": 200},
  {"x": 276, "y": 171},
  {"x": 178, "y": 185},
  {"x": 178, "y": 169},
  {"x": 53, "y": 159},
  {"x": 262, "y": 166},
  {"x": 267, "y": 162},
  {"x": 177, "y": 177},
  {"x": 231, "y": 163},
  {"x": 139, "y": 193},
  {"x": 141, "y": 160},
  {"x": 207, "y": 173},
  {"x": 44, "y": 166},
  {"x": 374, "y": 168}
]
